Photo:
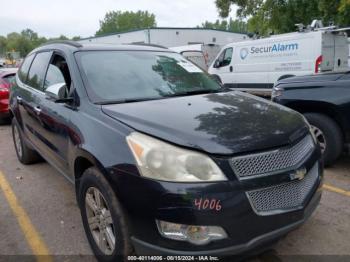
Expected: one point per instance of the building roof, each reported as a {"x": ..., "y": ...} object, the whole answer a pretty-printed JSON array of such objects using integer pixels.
[{"x": 161, "y": 28}]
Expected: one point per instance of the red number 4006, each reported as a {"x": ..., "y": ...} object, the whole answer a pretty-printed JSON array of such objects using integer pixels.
[{"x": 205, "y": 203}]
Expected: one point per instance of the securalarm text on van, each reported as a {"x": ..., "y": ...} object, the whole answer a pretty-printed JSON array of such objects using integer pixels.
[{"x": 274, "y": 48}]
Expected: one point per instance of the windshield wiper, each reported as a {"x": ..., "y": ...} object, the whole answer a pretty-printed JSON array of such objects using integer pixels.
[
  {"x": 128, "y": 100},
  {"x": 187, "y": 93},
  {"x": 195, "y": 92}
]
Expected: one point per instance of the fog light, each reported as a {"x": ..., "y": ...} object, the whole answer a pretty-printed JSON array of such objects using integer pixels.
[{"x": 198, "y": 235}]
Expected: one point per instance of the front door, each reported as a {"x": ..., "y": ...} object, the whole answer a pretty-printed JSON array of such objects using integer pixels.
[
  {"x": 55, "y": 117},
  {"x": 224, "y": 67}
]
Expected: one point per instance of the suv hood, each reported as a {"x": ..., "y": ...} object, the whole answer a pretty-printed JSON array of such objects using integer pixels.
[
  {"x": 312, "y": 78},
  {"x": 219, "y": 123}
]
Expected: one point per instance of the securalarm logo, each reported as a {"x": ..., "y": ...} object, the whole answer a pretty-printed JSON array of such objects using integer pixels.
[{"x": 244, "y": 53}]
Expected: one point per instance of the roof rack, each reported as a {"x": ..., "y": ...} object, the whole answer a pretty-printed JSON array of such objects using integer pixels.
[
  {"x": 64, "y": 42},
  {"x": 145, "y": 44}
]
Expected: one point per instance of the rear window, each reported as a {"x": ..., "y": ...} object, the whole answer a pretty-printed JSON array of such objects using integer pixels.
[
  {"x": 37, "y": 71},
  {"x": 23, "y": 71},
  {"x": 140, "y": 75}
]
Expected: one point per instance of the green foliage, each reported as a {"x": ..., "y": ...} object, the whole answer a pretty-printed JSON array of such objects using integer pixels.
[
  {"x": 237, "y": 26},
  {"x": 280, "y": 16},
  {"x": 25, "y": 42},
  {"x": 117, "y": 21}
]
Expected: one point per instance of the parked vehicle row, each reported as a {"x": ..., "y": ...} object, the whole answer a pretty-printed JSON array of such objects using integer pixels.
[{"x": 164, "y": 160}]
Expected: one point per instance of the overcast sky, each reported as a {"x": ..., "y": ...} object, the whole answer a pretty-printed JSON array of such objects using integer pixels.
[{"x": 81, "y": 17}]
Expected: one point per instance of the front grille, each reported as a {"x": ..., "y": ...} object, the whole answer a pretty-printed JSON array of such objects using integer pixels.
[
  {"x": 272, "y": 161},
  {"x": 283, "y": 197}
]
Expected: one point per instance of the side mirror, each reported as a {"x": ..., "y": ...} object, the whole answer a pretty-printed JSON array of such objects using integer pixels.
[
  {"x": 217, "y": 63},
  {"x": 58, "y": 93}
]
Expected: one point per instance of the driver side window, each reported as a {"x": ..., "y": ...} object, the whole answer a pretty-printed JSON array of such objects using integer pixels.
[
  {"x": 225, "y": 57},
  {"x": 58, "y": 72}
]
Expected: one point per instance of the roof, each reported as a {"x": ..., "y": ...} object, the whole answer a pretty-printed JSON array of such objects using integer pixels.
[
  {"x": 74, "y": 46},
  {"x": 160, "y": 28}
]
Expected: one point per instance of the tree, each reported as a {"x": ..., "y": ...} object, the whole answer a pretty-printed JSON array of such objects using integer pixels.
[
  {"x": 117, "y": 21},
  {"x": 237, "y": 26},
  {"x": 280, "y": 16},
  {"x": 3, "y": 43},
  {"x": 24, "y": 42},
  {"x": 76, "y": 38}
]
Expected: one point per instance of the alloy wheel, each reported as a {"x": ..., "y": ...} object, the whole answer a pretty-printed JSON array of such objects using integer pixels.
[
  {"x": 100, "y": 220},
  {"x": 320, "y": 137}
]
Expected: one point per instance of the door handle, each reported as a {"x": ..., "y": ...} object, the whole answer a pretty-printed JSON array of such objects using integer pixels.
[
  {"x": 231, "y": 68},
  {"x": 37, "y": 110},
  {"x": 19, "y": 100}
]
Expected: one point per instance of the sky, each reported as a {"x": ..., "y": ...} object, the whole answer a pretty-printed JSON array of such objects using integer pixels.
[{"x": 81, "y": 17}]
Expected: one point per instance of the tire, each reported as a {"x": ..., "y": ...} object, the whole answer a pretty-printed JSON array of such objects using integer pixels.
[
  {"x": 24, "y": 153},
  {"x": 116, "y": 222},
  {"x": 332, "y": 136}
]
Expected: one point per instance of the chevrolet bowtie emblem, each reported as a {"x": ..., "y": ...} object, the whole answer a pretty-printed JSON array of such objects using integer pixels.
[{"x": 298, "y": 174}]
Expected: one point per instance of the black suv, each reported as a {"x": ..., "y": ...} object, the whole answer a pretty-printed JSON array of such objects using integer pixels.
[
  {"x": 164, "y": 160},
  {"x": 324, "y": 99}
]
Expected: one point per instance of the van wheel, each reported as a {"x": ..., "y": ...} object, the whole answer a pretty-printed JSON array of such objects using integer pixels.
[
  {"x": 328, "y": 135},
  {"x": 103, "y": 218},
  {"x": 24, "y": 153}
]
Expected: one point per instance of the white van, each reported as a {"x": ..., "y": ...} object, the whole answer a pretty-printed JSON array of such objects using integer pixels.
[{"x": 256, "y": 65}]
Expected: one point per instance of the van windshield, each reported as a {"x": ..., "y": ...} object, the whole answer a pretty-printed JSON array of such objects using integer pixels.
[{"x": 129, "y": 76}]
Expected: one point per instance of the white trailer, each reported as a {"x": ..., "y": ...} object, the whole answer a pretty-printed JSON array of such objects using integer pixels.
[{"x": 200, "y": 54}]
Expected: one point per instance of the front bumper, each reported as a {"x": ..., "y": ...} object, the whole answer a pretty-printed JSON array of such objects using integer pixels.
[
  {"x": 147, "y": 201},
  {"x": 145, "y": 248}
]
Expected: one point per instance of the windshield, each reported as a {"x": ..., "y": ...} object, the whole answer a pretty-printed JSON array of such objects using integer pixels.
[{"x": 126, "y": 76}]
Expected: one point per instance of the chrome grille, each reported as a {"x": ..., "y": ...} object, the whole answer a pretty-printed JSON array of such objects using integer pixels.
[
  {"x": 283, "y": 197},
  {"x": 271, "y": 161}
]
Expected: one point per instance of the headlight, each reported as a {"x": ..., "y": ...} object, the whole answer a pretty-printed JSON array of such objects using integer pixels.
[
  {"x": 162, "y": 161},
  {"x": 276, "y": 92}
]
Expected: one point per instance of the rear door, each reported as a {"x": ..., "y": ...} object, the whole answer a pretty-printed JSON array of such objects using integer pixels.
[
  {"x": 21, "y": 90},
  {"x": 31, "y": 98},
  {"x": 341, "y": 52},
  {"x": 328, "y": 52}
]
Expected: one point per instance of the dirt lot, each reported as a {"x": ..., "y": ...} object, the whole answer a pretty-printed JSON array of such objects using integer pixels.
[{"x": 45, "y": 200}]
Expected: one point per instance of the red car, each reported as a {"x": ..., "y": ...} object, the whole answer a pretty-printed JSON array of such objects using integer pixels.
[{"x": 7, "y": 77}]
